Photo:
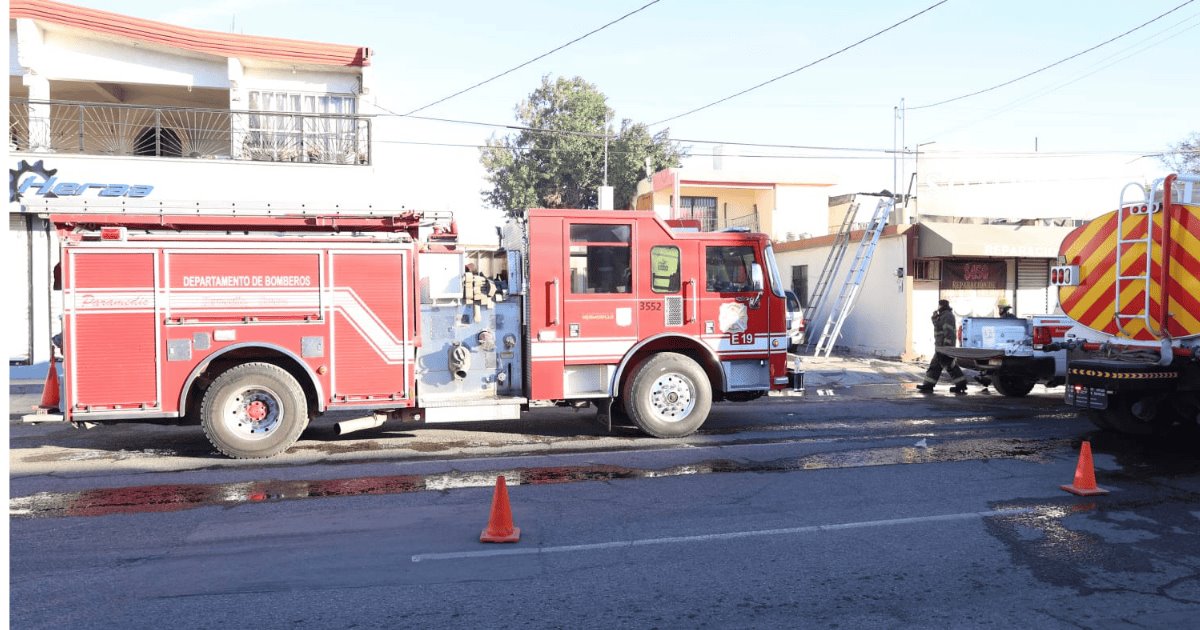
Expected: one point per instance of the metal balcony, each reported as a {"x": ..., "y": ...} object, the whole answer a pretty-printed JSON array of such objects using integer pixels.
[{"x": 179, "y": 132}]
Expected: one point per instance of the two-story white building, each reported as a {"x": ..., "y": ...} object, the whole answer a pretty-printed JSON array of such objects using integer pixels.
[{"x": 107, "y": 106}]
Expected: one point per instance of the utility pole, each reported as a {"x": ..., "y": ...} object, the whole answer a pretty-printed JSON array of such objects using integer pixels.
[{"x": 917, "y": 178}]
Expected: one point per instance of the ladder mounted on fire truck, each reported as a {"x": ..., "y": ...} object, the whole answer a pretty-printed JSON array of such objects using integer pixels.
[
  {"x": 1146, "y": 206},
  {"x": 243, "y": 216},
  {"x": 1157, "y": 199},
  {"x": 848, "y": 293}
]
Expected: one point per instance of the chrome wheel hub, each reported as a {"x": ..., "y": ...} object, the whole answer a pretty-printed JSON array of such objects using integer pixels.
[
  {"x": 672, "y": 397},
  {"x": 253, "y": 413}
]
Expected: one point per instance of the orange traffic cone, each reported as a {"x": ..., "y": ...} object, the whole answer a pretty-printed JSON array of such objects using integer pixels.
[
  {"x": 49, "y": 391},
  {"x": 500, "y": 525},
  {"x": 1085, "y": 475}
]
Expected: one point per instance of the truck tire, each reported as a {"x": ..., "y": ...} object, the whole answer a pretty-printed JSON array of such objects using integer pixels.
[
  {"x": 668, "y": 396},
  {"x": 253, "y": 410},
  {"x": 1119, "y": 417},
  {"x": 744, "y": 396},
  {"x": 1011, "y": 384}
]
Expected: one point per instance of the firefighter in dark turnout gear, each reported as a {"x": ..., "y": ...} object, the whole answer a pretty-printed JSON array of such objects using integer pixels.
[{"x": 945, "y": 333}]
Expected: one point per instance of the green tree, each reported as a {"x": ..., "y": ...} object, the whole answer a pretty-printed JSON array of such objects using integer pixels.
[
  {"x": 1184, "y": 156},
  {"x": 558, "y": 160}
]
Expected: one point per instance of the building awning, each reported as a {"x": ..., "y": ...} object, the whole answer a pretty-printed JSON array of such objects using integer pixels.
[{"x": 943, "y": 240}]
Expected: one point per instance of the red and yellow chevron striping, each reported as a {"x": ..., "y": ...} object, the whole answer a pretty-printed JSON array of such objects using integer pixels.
[{"x": 1093, "y": 303}]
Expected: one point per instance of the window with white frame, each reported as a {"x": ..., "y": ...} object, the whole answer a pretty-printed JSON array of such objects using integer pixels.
[{"x": 303, "y": 127}]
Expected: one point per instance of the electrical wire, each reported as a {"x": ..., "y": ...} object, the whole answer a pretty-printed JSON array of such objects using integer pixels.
[
  {"x": 765, "y": 145},
  {"x": 884, "y": 154},
  {"x": 1059, "y": 62},
  {"x": 1050, "y": 90},
  {"x": 541, "y": 56},
  {"x": 805, "y": 66}
]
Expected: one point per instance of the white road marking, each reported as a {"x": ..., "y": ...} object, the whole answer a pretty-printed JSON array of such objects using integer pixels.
[{"x": 623, "y": 544}]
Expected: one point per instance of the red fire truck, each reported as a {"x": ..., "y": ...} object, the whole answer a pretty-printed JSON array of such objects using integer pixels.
[{"x": 250, "y": 321}]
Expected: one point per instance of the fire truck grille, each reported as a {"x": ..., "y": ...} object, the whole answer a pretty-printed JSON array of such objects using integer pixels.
[{"x": 673, "y": 310}]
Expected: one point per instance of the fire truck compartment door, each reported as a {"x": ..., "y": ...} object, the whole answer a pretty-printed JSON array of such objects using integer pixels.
[
  {"x": 373, "y": 335},
  {"x": 113, "y": 346}
]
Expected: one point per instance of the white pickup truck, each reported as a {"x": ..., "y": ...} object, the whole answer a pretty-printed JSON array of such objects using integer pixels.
[{"x": 1008, "y": 354}]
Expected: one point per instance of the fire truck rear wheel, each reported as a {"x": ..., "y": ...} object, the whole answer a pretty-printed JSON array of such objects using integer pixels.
[
  {"x": 253, "y": 410},
  {"x": 668, "y": 396}
]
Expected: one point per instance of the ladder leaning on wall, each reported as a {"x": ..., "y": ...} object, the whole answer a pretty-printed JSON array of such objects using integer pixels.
[
  {"x": 832, "y": 263},
  {"x": 848, "y": 293}
]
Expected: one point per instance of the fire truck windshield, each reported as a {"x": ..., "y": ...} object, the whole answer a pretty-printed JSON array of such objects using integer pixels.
[{"x": 773, "y": 271}]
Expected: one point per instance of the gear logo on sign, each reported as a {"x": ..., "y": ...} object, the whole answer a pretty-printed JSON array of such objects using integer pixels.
[{"x": 24, "y": 168}]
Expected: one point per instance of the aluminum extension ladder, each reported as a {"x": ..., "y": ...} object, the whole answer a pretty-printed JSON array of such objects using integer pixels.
[
  {"x": 832, "y": 263},
  {"x": 854, "y": 277}
]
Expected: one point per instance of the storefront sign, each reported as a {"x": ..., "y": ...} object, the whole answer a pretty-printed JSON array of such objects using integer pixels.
[
  {"x": 974, "y": 274},
  {"x": 36, "y": 179}
]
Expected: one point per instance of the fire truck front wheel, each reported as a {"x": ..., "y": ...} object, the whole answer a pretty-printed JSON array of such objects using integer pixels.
[
  {"x": 668, "y": 396},
  {"x": 253, "y": 410}
]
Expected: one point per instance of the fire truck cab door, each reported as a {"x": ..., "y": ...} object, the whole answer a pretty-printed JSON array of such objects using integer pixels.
[
  {"x": 734, "y": 314},
  {"x": 583, "y": 308}
]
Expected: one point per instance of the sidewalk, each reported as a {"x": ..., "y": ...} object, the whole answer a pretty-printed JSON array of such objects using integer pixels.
[
  {"x": 851, "y": 370},
  {"x": 23, "y": 396}
]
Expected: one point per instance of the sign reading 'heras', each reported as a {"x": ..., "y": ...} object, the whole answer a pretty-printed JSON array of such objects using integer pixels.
[{"x": 36, "y": 179}]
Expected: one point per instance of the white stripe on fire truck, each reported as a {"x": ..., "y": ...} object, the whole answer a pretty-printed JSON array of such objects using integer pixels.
[
  {"x": 374, "y": 331},
  {"x": 219, "y": 300}
]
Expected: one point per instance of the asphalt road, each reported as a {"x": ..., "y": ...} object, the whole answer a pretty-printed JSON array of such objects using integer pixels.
[{"x": 865, "y": 507}]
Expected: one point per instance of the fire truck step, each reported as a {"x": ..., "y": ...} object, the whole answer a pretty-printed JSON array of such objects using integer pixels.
[
  {"x": 505, "y": 408},
  {"x": 34, "y": 418}
]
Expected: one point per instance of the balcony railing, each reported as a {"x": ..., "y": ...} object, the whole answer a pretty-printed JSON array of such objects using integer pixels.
[{"x": 103, "y": 129}]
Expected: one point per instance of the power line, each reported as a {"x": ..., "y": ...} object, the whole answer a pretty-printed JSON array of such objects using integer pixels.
[
  {"x": 808, "y": 65},
  {"x": 541, "y": 56},
  {"x": 885, "y": 154},
  {"x": 765, "y": 145},
  {"x": 1098, "y": 68},
  {"x": 1060, "y": 61}
]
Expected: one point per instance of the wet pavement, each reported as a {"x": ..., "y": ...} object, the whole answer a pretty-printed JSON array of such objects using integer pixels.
[
  {"x": 171, "y": 497},
  {"x": 868, "y": 505}
]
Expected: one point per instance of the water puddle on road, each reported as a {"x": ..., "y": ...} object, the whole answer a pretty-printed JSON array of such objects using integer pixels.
[{"x": 175, "y": 497}]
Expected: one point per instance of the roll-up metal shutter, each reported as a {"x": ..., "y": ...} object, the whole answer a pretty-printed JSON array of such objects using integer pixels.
[
  {"x": 1033, "y": 287},
  {"x": 18, "y": 319}
]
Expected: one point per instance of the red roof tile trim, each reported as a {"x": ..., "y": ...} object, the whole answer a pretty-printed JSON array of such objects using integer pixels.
[{"x": 211, "y": 42}]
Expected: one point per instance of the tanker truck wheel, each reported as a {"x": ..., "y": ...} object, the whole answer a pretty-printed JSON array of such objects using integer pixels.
[
  {"x": 668, "y": 396},
  {"x": 1012, "y": 385},
  {"x": 1122, "y": 416},
  {"x": 253, "y": 410}
]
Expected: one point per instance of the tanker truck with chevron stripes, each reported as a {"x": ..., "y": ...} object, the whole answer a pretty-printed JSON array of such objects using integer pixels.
[
  {"x": 1132, "y": 277},
  {"x": 248, "y": 320}
]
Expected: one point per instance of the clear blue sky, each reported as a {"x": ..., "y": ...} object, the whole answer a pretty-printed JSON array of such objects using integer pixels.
[{"x": 1136, "y": 94}]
